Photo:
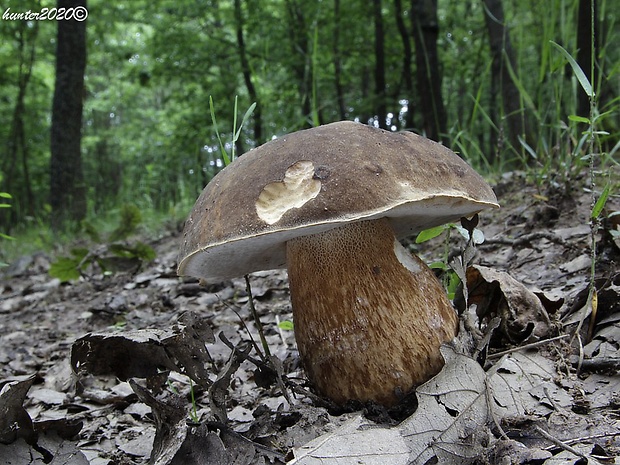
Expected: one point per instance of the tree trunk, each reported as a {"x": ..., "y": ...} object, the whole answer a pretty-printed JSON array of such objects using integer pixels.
[
  {"x": 67, "y": 188},
  {"x": 503, "y": 56},
  {"x": 15, "y": 183},
  {"x": 338, "y": 63},
  {"x": 247, "y": 74},
  {"x": 366, "y": 111},
  {"x": 407, "y": 54},
  {"x": 380, "y": 94},
  {"x": 425, "y": 33},
  {"x": 298, "y": 32}
]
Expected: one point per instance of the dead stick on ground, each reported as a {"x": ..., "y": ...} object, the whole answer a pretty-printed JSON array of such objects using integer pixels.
[
  {"x": 257, "y": 319},
  {"x": 525, "y": 347},
  {"x": 559, "y": 443}
]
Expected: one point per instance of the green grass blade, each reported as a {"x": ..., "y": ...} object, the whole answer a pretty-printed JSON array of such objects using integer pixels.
[
  {"x": 579, "y": 74},
  {"x": 528, "y": 148},
  {"x": 234, "y": 141},
  {"x": 217, "y": 133},
  {"x": 600, "y": 203},
  {"x": 578, "y": 119},
  {"x": 244, "y": 120}
]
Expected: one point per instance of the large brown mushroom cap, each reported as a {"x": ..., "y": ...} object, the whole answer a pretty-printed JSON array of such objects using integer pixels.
[{"x": 318, "y": 179}]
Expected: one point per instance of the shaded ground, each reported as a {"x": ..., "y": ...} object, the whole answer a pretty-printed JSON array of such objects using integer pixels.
[{"x": 543, "y": 242}]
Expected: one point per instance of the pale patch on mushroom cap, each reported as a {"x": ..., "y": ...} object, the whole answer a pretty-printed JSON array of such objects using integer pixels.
[
  {"x": 298, "y": 187},
  {"x": 358, "y": 173}
]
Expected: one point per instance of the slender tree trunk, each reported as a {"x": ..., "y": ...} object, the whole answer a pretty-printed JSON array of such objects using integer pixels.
[
  {"x": 380, "y": 86},
  {"x": 425, "y": 34},
  {"x": 407, "y": 61},
  {"x": 247, "y": 74},
  {"x": 366, "y": 115},
  {"x": 503, "y": 56},
  {"x": 338, "y": 63},
  {"x": 67, "y": 188},
  {"x": 298, "y": 32},
  {"x": 16, "y": 145}
]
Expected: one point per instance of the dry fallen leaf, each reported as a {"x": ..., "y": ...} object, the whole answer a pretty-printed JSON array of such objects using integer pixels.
[
  {"x": 448, "y": 425},
  {"x": 452, "y": 413},
  {"x": 14, "y": 419},
  {"x": 146, "y": 353},
  {"x": 22, "y": 441},
  {"x": 518, "y": 383},
  {"x": 357, "y": 441},
  {"x": 496, "y": 293}
]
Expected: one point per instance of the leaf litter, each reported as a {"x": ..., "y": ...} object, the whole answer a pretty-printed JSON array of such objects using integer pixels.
[{"x": 104, "y": 370}]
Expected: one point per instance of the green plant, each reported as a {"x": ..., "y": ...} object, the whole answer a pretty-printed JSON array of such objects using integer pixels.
[
  {"x": 112, "y": 254},
  {"x": 227, "y": 160},
  {"x": 453, "y": 271},
  {"x": 235, "y": 131},
  {"x": 5, "y": 195},
  {"x": 593, "y": 148}
]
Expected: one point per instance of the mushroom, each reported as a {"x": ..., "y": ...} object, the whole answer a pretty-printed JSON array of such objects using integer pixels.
[{"x": 329, "y": 204}]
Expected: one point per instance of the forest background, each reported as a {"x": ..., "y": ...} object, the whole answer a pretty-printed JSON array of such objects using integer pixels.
[{"x": 115, "y": 110}]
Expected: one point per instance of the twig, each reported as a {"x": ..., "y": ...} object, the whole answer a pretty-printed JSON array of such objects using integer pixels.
[
  {"x": 263, "y": 340},
  {"x": 559, "y": 443},
  {"x": 526, "y": 346},
  {"x": 598, "y": 363},
  {"x": 557, "y": 407},
  {"x": 590, "y": 438}
]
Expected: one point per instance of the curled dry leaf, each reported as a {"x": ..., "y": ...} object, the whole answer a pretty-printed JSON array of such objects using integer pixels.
[
  {"x": 497, "y": 294},
  {"x": 22, "y": 441},
  {"x": 146, "y": 353},
  {"x": 14, "y": 419},
  {"x": 170, "y": 421}
]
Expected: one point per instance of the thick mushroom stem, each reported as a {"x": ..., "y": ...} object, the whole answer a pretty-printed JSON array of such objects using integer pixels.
[{"x": 369, "y": 317}]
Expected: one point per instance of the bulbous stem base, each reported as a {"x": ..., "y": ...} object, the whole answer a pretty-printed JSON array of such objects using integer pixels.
[{"x": 369, "y": 317}]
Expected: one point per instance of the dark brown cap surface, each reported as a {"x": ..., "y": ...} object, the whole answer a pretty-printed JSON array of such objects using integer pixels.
[{"x": 317, "y": 179}]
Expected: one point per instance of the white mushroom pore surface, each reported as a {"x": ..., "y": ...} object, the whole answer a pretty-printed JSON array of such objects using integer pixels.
[{"x": 330, "y": 204}]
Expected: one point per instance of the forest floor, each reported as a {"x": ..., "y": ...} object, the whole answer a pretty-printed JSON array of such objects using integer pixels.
[{"x": 496, "y": 401}]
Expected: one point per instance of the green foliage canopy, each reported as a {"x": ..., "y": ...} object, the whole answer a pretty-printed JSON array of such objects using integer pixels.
[{"x": 153, "y": 66}]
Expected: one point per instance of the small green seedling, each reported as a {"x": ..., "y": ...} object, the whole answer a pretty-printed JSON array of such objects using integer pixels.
[
  {"x": 286, "y": 325},
  {"x": 455, "y": 270}
]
